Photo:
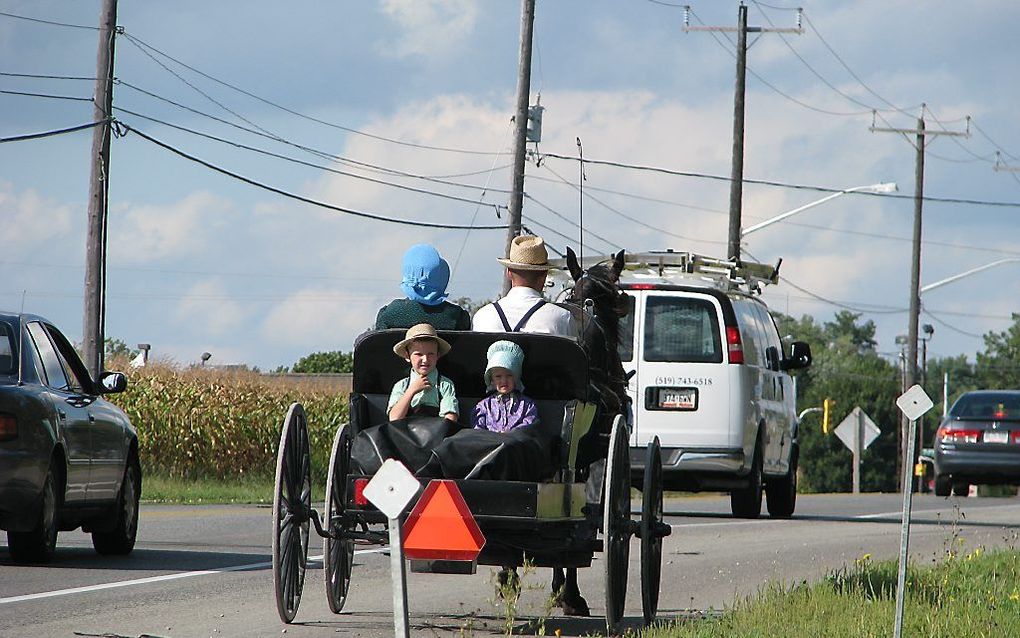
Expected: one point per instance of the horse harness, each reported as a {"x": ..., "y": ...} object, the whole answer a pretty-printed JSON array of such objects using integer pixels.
[{"x": 524, "y": 320}]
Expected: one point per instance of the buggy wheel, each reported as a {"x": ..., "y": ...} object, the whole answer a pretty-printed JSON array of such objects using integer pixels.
[
  {"x": 338, "y": 547},
  {"x": 616, "y": 527},
  {"x": 651, "y": 534},
  {"x": 292, "y": 507}
]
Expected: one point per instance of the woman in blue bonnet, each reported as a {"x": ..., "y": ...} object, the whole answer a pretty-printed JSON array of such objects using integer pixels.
[{"x": 425, "y": 277}]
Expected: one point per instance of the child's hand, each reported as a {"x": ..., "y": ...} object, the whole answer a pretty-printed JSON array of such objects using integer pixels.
[{"x": 418, "y": 384}]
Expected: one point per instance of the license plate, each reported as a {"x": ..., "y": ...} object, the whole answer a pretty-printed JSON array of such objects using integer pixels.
[
  {"x": 996, "y": 437},
  {"x": 678, "y": 398}
]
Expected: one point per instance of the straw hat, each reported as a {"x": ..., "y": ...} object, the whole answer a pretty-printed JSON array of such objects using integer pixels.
[
  {"x": 527, "y": 252},
  {"x": 421, "y": 331}
]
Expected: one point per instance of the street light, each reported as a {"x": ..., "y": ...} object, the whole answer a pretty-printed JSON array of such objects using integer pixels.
[
  {"x": 205, "y": 357},
  {"x": 949, "y": 280},
  {"x": 884, "y": 187}
]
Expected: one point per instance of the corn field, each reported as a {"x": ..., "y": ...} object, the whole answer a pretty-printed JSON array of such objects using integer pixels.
[{"x": 198, "y": 423}]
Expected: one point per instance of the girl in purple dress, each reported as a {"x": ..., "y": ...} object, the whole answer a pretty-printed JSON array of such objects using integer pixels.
[{"x": 504, "y": 407}]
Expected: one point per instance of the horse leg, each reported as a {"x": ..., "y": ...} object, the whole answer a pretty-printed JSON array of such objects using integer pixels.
[{"x": 571, "y": 600}]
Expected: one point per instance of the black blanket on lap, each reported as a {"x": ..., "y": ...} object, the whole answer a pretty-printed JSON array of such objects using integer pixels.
[{"x": 433, "y": 447}]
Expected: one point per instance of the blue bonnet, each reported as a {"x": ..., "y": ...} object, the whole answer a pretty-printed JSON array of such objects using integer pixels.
[{"x": 425, "y": 275}]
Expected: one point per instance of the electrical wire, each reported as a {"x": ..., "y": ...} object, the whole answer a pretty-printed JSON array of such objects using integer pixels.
[
  {"x": 353, "y": 163},
  {"x": 778, "y": 184},
  {"x": 566, "y": 219},
  {"x": 354, "y": 131},
  {"x": 46, "y": 77},
  {"x": 36, "y": 136},
  {"x": 945, "y": 324},
  {"x": 48, "y": 96},
  {"x": 50, "y": 22},
  {"x": 306, "y": 200},
  {"x": 295, "y": 160}
]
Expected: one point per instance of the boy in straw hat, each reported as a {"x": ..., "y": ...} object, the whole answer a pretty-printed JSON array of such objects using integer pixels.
[
  {"x": 423, "y": 392},
  {"x": 524, "y": 309},
  {"x": 505, "y": 407}
]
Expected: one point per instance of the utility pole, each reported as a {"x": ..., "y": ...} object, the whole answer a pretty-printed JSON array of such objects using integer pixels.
[
  {"x": 737, "y": 170},
  {"x": 520, "y": 126},
  {"x": 910, "y": 368},
  {"x": 99, "y": 190}
]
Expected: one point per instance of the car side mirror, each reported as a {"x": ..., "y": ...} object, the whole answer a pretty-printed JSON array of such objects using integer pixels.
[
  {"x": 112, "y": 382},
  {"x": 772, "y": 358},
  {"x": 800, "y": 357}
]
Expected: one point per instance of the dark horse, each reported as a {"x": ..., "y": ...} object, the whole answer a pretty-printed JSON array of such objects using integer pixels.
[{"x": 600, "y": 304}]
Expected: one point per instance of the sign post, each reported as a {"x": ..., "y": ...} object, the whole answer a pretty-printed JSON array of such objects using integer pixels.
[
  {"x": 391, "y": 489},
  {"x": 857, "y": 431},
  {"x": 913, "y": 404}
]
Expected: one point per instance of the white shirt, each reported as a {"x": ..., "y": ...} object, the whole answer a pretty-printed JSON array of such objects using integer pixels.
[{"x": 549, "y": 319}]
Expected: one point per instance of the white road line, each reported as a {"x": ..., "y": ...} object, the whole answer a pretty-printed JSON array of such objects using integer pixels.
[{"x": 156, "y": 579}]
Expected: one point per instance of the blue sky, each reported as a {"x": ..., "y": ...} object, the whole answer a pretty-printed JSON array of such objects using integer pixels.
[{"x": 200, "y": 262}]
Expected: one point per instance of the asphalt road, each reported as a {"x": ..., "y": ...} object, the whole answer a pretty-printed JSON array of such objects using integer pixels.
[{"x": 204, "y": 571}]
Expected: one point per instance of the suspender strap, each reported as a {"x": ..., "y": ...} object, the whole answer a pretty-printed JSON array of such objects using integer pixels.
[
  {"x": 502, "y": 317},
  {"x": 527, "y": 315}
]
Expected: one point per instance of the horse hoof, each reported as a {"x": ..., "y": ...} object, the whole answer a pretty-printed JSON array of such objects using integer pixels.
[
  {"x": 508, "y": 582},
  {"x": 575, "y": 606}
]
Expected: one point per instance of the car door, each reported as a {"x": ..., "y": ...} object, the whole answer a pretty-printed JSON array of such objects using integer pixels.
[
  {"x": 774, "y": 394},
  {"x": 72, "y": 416},
  {"x": 107, "y": 447}
]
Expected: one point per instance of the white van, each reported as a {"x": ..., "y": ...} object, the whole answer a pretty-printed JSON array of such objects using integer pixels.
[{"x": 710, "y": 379}]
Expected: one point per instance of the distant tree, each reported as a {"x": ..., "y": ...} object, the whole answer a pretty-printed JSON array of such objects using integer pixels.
[
  {"x": 998, "y": 367},
  {"x": 325, "y": 362},
  {"x": 471, "y": 305},
  {"x": 116, "y": 348}
]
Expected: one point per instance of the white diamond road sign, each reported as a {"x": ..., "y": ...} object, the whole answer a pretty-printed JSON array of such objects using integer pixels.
[
  {"x": 392, "y": 488},
  {"x": 847, "y": 429},
  {"x": 914, "y": 402}
]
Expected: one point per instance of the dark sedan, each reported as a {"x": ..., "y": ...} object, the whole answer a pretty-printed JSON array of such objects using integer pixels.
[
  {"x": 978, "y": 442},
  {"x": 68, "y": 457}
]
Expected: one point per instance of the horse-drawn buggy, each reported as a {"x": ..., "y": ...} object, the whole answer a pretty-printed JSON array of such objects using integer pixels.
[{"x": 555, "y": 505}]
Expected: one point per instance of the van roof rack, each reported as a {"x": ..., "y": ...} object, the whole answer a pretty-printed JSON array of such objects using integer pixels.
[{"x": 676, "y": 267}]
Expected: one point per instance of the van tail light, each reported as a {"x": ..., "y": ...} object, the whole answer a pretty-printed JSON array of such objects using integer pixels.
[
  {"x": 8, "y": 427},
  {"x": 641, "y": 287},
  {"x": 733, "y": 345},
  {"x": 359, "y": 492},
  {"x": 954, "y": 434},
  {"x": 1015, "y": 437}
]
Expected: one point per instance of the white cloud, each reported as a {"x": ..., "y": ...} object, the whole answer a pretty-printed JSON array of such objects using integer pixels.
[
  {"x": 321, "y": 318},
  {"x": 143, "y": 233},
  {"x": 208, "y": 304},
  {"x": 28, "y": 220},
  {"x": 430, "y": 27}
]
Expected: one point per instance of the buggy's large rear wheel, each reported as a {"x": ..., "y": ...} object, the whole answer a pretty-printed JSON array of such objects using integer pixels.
[
  {"x": 338, "y": 547},
  {"x": 651, "y": 531},
  {"x": 292, "y": 507},
  {"x": 616, "y": 525}
]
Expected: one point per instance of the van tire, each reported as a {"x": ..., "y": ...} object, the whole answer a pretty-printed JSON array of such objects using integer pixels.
[
  {"x": 746, "y": 502},
  {"x": 781, "y": 493},
  {"x": 943, "y": 486}
]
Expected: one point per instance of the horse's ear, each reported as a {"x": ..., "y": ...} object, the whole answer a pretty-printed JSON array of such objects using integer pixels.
[
  {"x": 572, "y": 265},
  {"x": 617, "y": 266}
]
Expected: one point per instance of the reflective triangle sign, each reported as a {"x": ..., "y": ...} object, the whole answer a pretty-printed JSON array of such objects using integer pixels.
[{"x": 441, "y": 527}]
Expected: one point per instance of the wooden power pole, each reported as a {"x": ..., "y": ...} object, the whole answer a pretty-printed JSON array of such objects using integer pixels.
[
  {"x": 910, "y": 369},
  {"x": 93, "y": 337},
  {"x": 737, "y": 170},
  {"x": 520, "y": 126}
]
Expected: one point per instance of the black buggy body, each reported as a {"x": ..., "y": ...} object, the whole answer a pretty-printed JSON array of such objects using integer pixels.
[{"x": 579, "y": 505}]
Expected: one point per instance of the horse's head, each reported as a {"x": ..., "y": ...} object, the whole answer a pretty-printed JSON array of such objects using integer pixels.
[{"x": 599, "y": 284}]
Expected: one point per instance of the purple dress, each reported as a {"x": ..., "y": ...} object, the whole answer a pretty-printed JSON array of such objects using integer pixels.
[{"x": 504, "y": 413}]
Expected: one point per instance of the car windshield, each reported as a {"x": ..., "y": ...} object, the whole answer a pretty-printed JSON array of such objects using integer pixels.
[
  {"x": 7, "y": 359},
  {"x": 1003, "y": 406},
  {"x": 681, "y": 329}
]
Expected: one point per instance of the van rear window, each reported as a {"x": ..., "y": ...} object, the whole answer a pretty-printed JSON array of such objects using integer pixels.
[
  {"x": 681, "y": 329},
  {"x": 626, "y": 347}
]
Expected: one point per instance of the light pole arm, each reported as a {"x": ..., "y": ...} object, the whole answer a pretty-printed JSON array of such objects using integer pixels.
[
  {"x": 949, "y": 280},
  {"x": 875, "y": 188}
]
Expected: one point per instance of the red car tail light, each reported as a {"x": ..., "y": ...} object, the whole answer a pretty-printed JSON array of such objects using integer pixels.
[
  {"x": 1015, "y": 438},
  {"x": 359, "y": 492},
  {"x": 641, "y": 287},
  {"x": 8, "y": 427},
  {"x": 733, "y": 344},
  {"x": 956, "y": 434}
]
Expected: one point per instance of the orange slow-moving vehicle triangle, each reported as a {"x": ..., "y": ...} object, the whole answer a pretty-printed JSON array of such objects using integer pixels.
[{"x": 441, "y": 527}]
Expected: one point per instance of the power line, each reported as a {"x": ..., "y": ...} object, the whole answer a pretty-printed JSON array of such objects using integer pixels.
[
  {"x": 46, "y": 77},
  {"x": 354, "y": 131},
  {"x": 951, "y": 326},
  {"x": 320, "y": 153},
  {"x": 49, "y": 96},
  {"x": 50, "y": 22},
  {"x": 778, "y": 184},
  {"x": 294, "y": 160},
  {"x": 566, "y": 219},
  {"x": 306, "y": 200},
  {"x": 36, "y": 136}
]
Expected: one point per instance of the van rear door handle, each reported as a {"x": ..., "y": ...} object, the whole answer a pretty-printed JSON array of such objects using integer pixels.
[
  {"x": 92, "y": 419},
  {"x": 62, "y": 415}
]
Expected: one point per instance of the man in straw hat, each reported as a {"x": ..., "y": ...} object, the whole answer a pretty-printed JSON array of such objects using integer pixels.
[{"x": 524, "y": 309}]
